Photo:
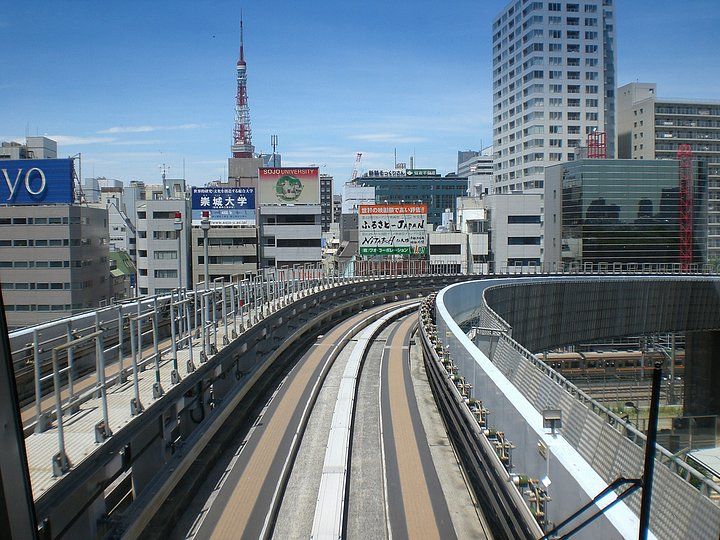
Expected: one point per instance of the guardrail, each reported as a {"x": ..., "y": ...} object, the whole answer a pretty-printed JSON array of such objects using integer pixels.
[
  {"x": 188, "y": 319},
  {"x": 501, "y": 503},
  {"x": 673, "y": 462},
  {"x": 609, "y": 444}
]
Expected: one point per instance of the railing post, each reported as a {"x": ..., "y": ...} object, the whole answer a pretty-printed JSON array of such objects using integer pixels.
[
  {"x": 226, "y": 338},
  {"x": 40, "y": 418},
  {"x": 174, "y": 374},
  {"x": 139, "y": 333},
  {"x": 60, "y": 462},
  {"x": 104, "y": 431},
  {"x": 121, "y": 370},
  {"x": 71, "y": 368},
  {"x": 157, "y": 387},
  {"x": 135, "y": 404},
  {"x": 234, "y": 306},
  {"x": 190, "y": 363},
  {"x": 203, "y": 330},
  {"x": 215, "y": 325}
]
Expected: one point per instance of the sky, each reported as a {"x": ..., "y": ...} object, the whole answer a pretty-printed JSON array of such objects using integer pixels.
[{"x": 133, "y": 85}]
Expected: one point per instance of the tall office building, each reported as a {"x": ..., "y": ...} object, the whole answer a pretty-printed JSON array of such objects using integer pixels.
[
  {"x": 326, "y": 201},
  {"x": 553, "y": 85},
  {"x": 652, "y": 127}
]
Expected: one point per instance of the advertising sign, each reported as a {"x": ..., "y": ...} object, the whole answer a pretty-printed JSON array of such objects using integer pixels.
[
  {"x": 392, "y": 229},
  {"x": 228, "y": 205},
  {"x": 421, "y": 172},
  {"x": 289, "y": 185},
  {"x": 36, "y": 181}
]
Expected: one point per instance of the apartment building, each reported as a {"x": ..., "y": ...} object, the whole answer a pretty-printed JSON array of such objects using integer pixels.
[
  {"x": 553, "y": 85},
  {"x": 653, "y": 127}
]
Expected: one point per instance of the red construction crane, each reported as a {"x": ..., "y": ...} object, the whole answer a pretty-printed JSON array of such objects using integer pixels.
[{"x": 685, "y": 156}]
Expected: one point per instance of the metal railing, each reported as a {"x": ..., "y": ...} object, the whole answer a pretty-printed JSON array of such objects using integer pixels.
[{"x": 69, "y": 357}]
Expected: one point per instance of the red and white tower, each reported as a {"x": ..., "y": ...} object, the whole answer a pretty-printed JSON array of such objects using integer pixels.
[{"x": 242, "y": 136}]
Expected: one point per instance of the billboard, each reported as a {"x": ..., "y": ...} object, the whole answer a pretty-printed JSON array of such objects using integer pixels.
[
  {"x": 289, "y": 185},
  {"x": 36, "y": 181},
  {"x": 392, "y": 229},
  {"x": 228, "y": 205}
]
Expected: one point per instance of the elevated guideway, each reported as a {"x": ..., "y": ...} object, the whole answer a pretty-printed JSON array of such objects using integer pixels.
[
  {"x": 513, "y": 318},
  {"x": 118, "y": 403},
  {"x": 147, "y": 384}
]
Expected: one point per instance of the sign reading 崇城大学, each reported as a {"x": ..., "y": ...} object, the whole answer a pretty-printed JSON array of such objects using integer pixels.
[
  {"x": 36, "y": 181},
  {"x": 289, "y": 185},
  {"x": 231, "y": 205},
  {"x": 392, "y": 229}
]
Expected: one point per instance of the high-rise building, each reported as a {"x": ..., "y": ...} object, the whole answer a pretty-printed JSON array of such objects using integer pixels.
[
  {"x": 553, "y": 85},
  {"x": 326, "y": 201},
  {"x": 652, "y": 127},
  {"x": 337, "y": 208}
]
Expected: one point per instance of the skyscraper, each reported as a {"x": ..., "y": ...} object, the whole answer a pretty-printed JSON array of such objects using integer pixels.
[{"x": 553, "y": 85}]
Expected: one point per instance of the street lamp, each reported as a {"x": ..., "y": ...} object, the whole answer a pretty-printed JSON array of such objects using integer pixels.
[
  {"x": 205, "y": 226},
  {"x": 178, "y": 225}
]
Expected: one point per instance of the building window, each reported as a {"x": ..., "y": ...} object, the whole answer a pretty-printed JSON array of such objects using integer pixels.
[
  {"x": 164, "y": 273},
  {"x": 165, "y": 235},
  {"x": 445, "y": 249},
  {"x": 160, "y": 255},
  {"x": 523, "y": 241},
  {"x": 514, "y": 220}
]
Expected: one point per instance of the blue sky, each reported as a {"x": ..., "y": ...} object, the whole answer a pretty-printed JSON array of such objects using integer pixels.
[{"x": 135, "y": 84}]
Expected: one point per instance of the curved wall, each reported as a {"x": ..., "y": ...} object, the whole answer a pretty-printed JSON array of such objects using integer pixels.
[{"x": 592, "y": 448}]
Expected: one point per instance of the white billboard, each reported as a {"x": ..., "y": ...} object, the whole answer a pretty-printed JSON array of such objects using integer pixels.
[{"x": 392, "y": 229}]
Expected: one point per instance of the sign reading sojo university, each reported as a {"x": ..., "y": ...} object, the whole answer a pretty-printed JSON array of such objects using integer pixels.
[
  {"x": 392, "y": 229},
  {"x": 232, "y": 205},
  {"x": 36, "y": 181},
  {"x": 289, "y": 185}
]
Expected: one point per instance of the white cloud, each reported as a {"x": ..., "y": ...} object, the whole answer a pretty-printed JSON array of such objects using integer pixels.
[
  {"x": 391, "y": 138},
  {"x": 148, "y": 129},
  {"x": 72, "y": 139},
  {"x": 138, "y": 143}
]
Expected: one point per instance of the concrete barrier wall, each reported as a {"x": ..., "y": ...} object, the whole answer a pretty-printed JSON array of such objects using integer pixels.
[{"x": 589, "y": 452}]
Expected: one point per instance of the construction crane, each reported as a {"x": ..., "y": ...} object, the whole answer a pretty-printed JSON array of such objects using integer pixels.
[
  {"x": 356, "y": 167},
  {"x": 685, "y": 156}
]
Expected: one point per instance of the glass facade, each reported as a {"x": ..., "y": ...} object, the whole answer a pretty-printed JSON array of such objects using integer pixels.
[
  {"x": 627, "y": 211},
  {"x": 437, "y": 192}
]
